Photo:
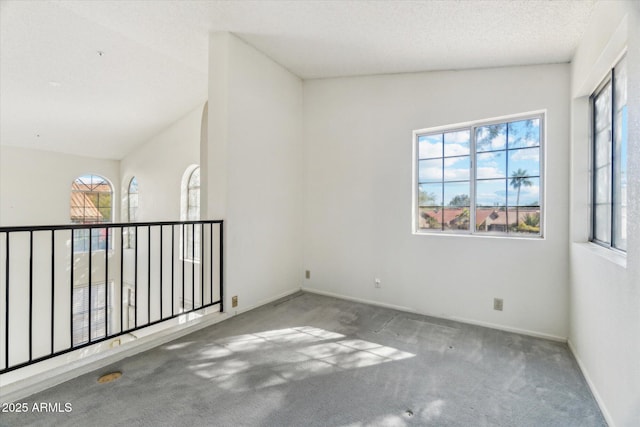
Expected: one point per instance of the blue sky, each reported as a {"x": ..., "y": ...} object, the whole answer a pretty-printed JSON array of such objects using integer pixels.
[{"x": 495, "y": 164}]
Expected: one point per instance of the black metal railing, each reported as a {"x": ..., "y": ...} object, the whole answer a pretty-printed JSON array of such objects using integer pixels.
[{"x": 67, "y": 287}]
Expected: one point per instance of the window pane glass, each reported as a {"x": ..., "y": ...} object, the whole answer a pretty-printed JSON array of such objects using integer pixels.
[
  {"x": 524, "y": 162},
  {"x": 603, "y": 148},
  {"x": 430, "y": 195},
  {"x": 429, "y": 146},
  {"x": 194, "y": 181},
  {"x": 492, "y": 219},
  {"x": 491, "y": 165},
  {"x": 457, "y": 194},
  {"x": 456, "y": 218},
  {"x": 492, "y": 137},
  {"x": 430, "y": 218},
  {"x": 528, "y": 220},
  {"x": 457, "y": 168},
  {"x": 524, "y": 192},
  {"x": 603, "y": 109},
  {"x": 603, "y": 185},
  {"x": 456, "y": 143},
  {"x": 603, "y": 223},
  {"x": 491, "y": 192},
  {"x": 430, "y": 170},
  {"x": 524, "y": 133}
]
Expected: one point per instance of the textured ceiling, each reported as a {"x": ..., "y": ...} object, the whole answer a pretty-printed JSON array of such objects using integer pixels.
[{"x": 154, "y": 67}]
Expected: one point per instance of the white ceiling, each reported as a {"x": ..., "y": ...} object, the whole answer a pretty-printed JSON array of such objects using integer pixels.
[{"x": 154, "y": 67}]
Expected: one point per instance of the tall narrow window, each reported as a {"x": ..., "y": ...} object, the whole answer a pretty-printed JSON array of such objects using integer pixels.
[
  {"x": 191, "y": 212},
  {"x": 132, "y": 211},
  {"x": 610, "y": 135},
  {"x": 91, "y": 203}
]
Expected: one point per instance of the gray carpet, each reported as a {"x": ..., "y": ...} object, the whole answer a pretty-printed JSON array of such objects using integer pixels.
[{"x": 309, "y": 360}]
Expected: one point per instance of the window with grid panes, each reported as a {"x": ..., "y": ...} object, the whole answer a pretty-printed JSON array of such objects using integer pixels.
[{"x": 481, "y": 178}]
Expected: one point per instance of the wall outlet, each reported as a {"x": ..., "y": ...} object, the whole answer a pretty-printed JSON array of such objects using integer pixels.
[
  {"x": 376, "y": 282},
  {"x": 497, "y": 304},
  {"x": 234, "y": 301},
  {"x": 307, "y": 274}
]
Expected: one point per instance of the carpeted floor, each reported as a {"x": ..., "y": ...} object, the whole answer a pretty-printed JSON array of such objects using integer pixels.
[{"x": 310, "y": 360}]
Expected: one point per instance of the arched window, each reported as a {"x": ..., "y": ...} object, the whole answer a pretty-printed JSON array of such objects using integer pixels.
[
  {"x": 190, "y": 211},
  {"x": 132, "y": 212},
  {"x": 193, "y": 196},
  {"x": 91, "y": 202},
  {"x": 132, "y": 200}
]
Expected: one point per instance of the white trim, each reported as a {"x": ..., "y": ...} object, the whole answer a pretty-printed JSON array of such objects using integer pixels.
[
  {"x": 592, "y": 386},
  {"x": 613, "y": 256},
  {"x": 456, "y": 319},
  {"x": 264, "y": 301},
  {"x": 363, "y": 301},
  {"x": 528, "y": 332}
]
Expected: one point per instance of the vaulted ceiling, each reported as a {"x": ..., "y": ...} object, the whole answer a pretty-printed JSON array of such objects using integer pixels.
[{"x": 98, "y": 78}]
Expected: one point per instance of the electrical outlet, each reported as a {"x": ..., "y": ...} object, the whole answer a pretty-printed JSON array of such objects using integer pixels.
[
  {"x": 497, "y": 304},
  {"x": 307, "y": 274},
  {"x": 234, "y": 301},
  {"x": 376, "y": 282}
]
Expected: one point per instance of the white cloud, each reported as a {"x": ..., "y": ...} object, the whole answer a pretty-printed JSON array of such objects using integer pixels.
[
  {"x": 456, "y": 150},
  {"x": 430, "y": 173},
  {"x": 459, "y": 137},
  {"x": 490, "y": 172},
  {"x": 456, "y": 174},
  {"x": 427, "y": 150},
  {"x": 497, "y": 143},
  {"x": 525, "y": 155}
]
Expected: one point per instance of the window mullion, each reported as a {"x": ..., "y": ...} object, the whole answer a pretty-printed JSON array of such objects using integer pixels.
[{"x": 472, "y": 179}]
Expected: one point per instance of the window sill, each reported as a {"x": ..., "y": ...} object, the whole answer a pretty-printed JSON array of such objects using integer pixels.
[
  {"x": 613, "y": 256},
  {"x": 478, "y": 235}
]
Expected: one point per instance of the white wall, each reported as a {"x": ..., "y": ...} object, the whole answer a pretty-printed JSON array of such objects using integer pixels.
[
  {"x": 254, "y": 164},
  {"x": 35, "y": 185},
  {"x": 605, "y": 287},
  {"x": 159, "y": 164},
  {"x": 357, "y": 223},
  {"x": 35, "y": 189}
]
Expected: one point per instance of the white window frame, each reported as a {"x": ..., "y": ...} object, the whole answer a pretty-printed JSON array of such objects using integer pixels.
[{"x": 472, "y": 126}]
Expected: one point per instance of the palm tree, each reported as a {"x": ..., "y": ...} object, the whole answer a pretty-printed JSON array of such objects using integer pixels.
[{"x": 518, "y": 179}]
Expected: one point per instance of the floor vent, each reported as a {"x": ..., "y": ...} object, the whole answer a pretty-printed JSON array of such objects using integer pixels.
[{"x": 107, "y": 378}]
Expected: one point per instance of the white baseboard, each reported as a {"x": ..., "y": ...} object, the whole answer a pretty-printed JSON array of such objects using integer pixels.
[
  {"x": 510, "y": 329},
  {"x": 266, "y": 301},
  {"x": 592, "y": 387},
  {"x": 361, "y": 300},
  {"x": 457, "y": 319}
]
